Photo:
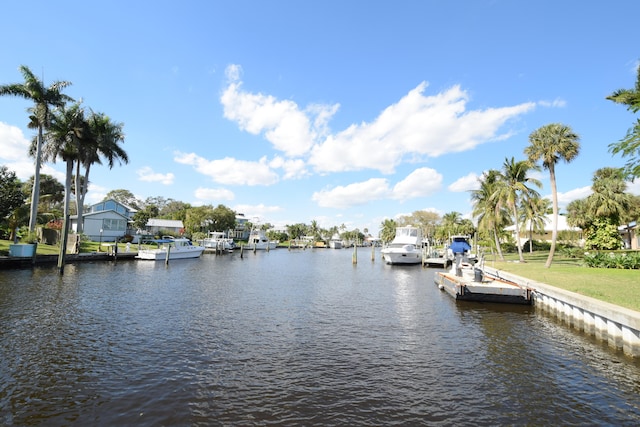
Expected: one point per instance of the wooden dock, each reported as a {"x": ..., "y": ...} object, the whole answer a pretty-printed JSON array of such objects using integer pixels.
[{"x": 471, "y": 284}]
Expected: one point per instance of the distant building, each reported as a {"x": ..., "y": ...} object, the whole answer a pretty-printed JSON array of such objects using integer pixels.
[
  {"x": 629, "y": 233},
  {"x": 574, "y": 233},
  {"x": 165, "y": 226}
]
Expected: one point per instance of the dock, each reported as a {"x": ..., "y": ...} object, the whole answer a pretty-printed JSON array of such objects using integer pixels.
[
  {"x": 469, "y": 283},
  {"x": 43, "y": 260}
]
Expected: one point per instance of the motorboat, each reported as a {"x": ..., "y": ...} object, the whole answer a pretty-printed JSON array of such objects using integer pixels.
[
  {"x": 169, "y": 248},
  {"x": 218, "y": 241},
  {"x": 335, "y": 242},
  {"x": 258, "y": 240},
  {"x": 406, "y": 247}
]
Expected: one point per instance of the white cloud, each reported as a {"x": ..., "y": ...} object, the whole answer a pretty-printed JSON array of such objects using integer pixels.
[
  {"x": 293, "y": 168},
  {"x": 416, "y": 125},
  {"x": 421, "y": 182},
  {"x": 634, "y": 187},
  {"x": 557, "y": 103},
  {"x": 13, "y": 145},
  {"x": 230, "y": 171},
  {"x": 290, "y": 129},
  {"x": 147, "y": 174},
  {"x": 256, "y": 211},
  {"x": 14, "y": 154},
  {"x": 565, "y": 198},
  {"x": 214, "y": 194},
  {"x": 355, "y": 194},
  {"x": 465, "y": 183}
]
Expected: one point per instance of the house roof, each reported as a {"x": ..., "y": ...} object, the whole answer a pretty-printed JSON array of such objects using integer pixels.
[{"x": 108, "y": 213}]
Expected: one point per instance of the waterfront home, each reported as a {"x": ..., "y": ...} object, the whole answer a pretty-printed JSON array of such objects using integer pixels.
[
  {"x": 105, "y": 221},
  {"x": 565, "y": 231}
]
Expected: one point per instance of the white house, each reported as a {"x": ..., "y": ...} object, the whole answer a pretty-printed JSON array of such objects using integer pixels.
[{"x": 548, "y": 230}]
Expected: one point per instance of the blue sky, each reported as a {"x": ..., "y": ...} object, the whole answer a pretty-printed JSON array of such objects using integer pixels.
[{"x": 343, "y": 112}]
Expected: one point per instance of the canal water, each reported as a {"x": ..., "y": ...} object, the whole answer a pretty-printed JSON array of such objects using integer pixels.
[{"x": 301, "y": 337}]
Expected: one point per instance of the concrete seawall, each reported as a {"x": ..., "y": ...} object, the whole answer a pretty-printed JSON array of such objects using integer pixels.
[{"x": 618, "y": 326}]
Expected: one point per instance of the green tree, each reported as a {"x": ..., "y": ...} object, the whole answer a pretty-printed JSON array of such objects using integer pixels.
[
  {"x": 296, "y": 231},
  {"x": 629, "y": 146},
  {"x": 550, "y": 144},
  {"x": 533, "y": 211},
  {"x": 142, "y": 217},
  {"x": 600, "y": 214},
  {"x": 126, "y": 197},
  {"x": 513, "y": 183},
  {"x": 33, "y": 89},
  {"x": 11, "y": 195},
  {"x": 222, "y": 219},
  {"x": 492, "y": 216},
  {"x": 388, "y": 230}
]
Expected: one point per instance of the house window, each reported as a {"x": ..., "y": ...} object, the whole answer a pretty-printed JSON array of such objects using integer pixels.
[{"x": 114, "y": 224}]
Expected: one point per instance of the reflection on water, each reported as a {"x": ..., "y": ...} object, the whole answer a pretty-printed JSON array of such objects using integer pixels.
[{"x": 290, "y": 338}]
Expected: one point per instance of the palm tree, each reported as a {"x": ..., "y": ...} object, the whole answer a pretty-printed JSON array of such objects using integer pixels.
[
  {"x": 629, "y": 146},
  {"x": 388, "y": 230},
  {"x": 552, "y": 143},
  {"x": 609, "y": 198},
  {"x": 491, "y": 216},
  {"x": 103, "y": 141},
  {"x": 511, "y": 186},
  {"x": 449, "y": 224},
  {"x": 34, "y": 90},
  {"x": 533, "y": 211},
  {"x": 64, "y": 138}
]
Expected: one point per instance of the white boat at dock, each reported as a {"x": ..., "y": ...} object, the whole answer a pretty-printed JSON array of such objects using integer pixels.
[
  {"x": 335, "y": 242},
  {"x": 169, "y": 248},
  {"x": 258, "y": 240},
  {"x": 406, "y": 247},
  {"x": 218, "y": 241}
]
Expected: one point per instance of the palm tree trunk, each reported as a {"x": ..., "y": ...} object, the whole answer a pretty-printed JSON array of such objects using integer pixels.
[
  {"x": 498, "y": 247},
  {"x": 515, "y": 218},
  {"x": 554, "y": 233},
  {"x": 78, "y": 181},
  {"x": 65, "y": 225},
  {"x": 35, "y": 193}
]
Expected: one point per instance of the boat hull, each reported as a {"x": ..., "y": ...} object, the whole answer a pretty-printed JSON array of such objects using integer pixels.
[{"x": 401, "y": 257}]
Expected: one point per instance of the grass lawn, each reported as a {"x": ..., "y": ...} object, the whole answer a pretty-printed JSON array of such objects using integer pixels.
[
  {"x": 616, "y": 286},
  {"x": 55, "y": 250}
]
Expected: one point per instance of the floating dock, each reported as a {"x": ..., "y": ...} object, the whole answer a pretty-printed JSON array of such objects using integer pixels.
[{"x": 471, "y": 284}]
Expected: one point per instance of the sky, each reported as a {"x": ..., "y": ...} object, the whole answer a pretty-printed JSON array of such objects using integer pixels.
[{"x": 343, "y": 112}]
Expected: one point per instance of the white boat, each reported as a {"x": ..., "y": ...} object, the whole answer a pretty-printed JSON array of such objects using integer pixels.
[
  {"x": 217, "y": 240},
  {"x": 335, "y": 242},
  {"x": 258, "y": 240},
  {"x": 173, "y": 247},
  {"x": 406, "y": 247}
]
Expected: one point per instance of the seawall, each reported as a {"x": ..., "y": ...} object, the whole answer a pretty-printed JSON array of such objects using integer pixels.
[{"x": 618, "y": 326}]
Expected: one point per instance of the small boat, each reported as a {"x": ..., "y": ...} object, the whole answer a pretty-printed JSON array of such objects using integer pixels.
[
  {"x": 406, "y": 247},
  {"x": 258, "y": 240},
  {"x": 217, "y": 240},
  {"x": 171, "y": 247}
]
